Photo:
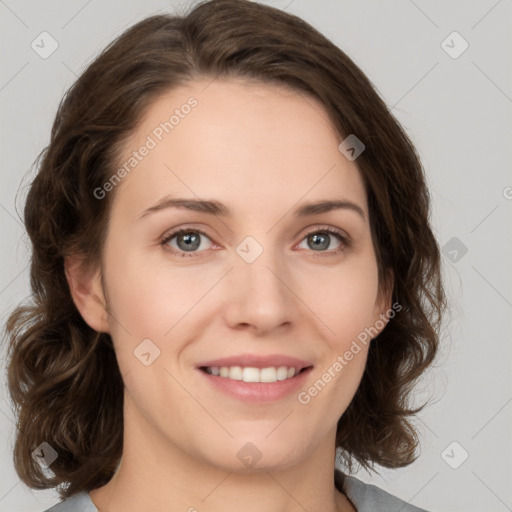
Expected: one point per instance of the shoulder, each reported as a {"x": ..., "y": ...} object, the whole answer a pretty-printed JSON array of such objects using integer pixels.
[
  {"x": 80, "y": 502},
  {"x": 367, "y": 497}
]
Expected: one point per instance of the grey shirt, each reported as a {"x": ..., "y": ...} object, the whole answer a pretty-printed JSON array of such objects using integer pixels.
[{"x": 364, "y": 497}]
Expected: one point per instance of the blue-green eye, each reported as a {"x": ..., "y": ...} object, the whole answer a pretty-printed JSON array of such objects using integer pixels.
[
  {"x": 320, "y": 240},
  {"x": 188, "y": 241}
]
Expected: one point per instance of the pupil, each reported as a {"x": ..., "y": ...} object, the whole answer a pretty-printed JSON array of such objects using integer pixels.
[
  {"x": 318, "y": 241},
  {"x": 191, "y": 241}
]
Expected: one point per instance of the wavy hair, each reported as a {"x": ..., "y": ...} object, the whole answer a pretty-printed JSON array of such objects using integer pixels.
[{"x": 63, "y": 376}]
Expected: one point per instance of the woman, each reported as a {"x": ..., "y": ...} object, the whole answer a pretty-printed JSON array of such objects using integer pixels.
[{"x": 234, "y": 277}]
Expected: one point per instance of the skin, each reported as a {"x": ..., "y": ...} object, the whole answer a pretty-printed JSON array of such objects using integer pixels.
[{"x": 262, "y": 150}]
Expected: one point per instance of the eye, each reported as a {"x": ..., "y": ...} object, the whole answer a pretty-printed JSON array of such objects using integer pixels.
[
  {"x": 187, "y": 241},
  {"x": 321, "y": 238}
]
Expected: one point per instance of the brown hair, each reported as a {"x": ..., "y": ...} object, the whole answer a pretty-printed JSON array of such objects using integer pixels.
[{"x": 63, "y": 376}]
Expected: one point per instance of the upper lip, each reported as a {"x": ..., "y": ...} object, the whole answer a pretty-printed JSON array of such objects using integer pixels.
[{"x": 257, "y": 361}]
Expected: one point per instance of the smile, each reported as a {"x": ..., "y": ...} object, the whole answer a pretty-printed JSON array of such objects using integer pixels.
[
  {"x": 250, "y": 374},
  {"x": 255, "y": 385}
]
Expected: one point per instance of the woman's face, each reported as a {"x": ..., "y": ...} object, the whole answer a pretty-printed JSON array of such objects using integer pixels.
[{"x": 252, "y": 281}]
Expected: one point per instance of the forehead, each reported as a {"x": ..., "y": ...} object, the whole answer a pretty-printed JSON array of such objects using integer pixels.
[{"x": 241, "y": 142}]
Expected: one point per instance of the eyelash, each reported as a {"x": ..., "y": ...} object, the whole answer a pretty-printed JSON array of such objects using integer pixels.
[{"x": 345, "y": 241}]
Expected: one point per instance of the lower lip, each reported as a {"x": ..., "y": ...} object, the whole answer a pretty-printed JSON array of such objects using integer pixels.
[{"x": 257, "y": 392}]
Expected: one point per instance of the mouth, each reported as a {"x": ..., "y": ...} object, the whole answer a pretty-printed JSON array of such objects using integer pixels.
[
  {"x": 257, "y": 381},
  {"x": 253, "y": 374}
]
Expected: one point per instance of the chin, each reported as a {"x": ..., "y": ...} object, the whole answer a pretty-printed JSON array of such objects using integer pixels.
[{"x": 245, "y": 456}]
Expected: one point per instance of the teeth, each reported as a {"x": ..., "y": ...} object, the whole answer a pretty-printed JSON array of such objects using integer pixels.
[
  {"x": 283, "y": 372},
  {"x": 235, "y": 372},
  {"x": 253, "y": 375},
  {"x": 249, "y": 374}
]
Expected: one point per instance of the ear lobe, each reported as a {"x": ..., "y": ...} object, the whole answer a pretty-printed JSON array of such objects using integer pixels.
[{"x": 87, "y": 292}]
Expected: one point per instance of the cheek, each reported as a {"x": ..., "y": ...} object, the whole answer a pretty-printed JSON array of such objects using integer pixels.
[
  {"x": 344, "y": 299},
  {"x": 147, "y": 301},
  {"x": 150, "y": 296}
]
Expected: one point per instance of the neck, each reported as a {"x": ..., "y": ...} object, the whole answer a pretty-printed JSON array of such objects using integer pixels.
[{"x": 156, "y": 474}]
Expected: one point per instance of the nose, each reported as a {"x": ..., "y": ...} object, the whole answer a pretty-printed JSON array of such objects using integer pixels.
[{"x": 259, "y": 295}]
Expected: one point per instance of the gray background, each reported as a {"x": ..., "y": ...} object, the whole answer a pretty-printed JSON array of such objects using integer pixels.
[{"x": 458, "y": 113}]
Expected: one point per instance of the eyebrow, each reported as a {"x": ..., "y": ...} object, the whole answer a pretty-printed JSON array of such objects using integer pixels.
[{"x": 214, "y": 207}]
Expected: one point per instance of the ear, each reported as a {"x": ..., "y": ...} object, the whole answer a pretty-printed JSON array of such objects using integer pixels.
[
  {"x": 382, "y": 308},
  {"x": 87, "y": 292}
]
